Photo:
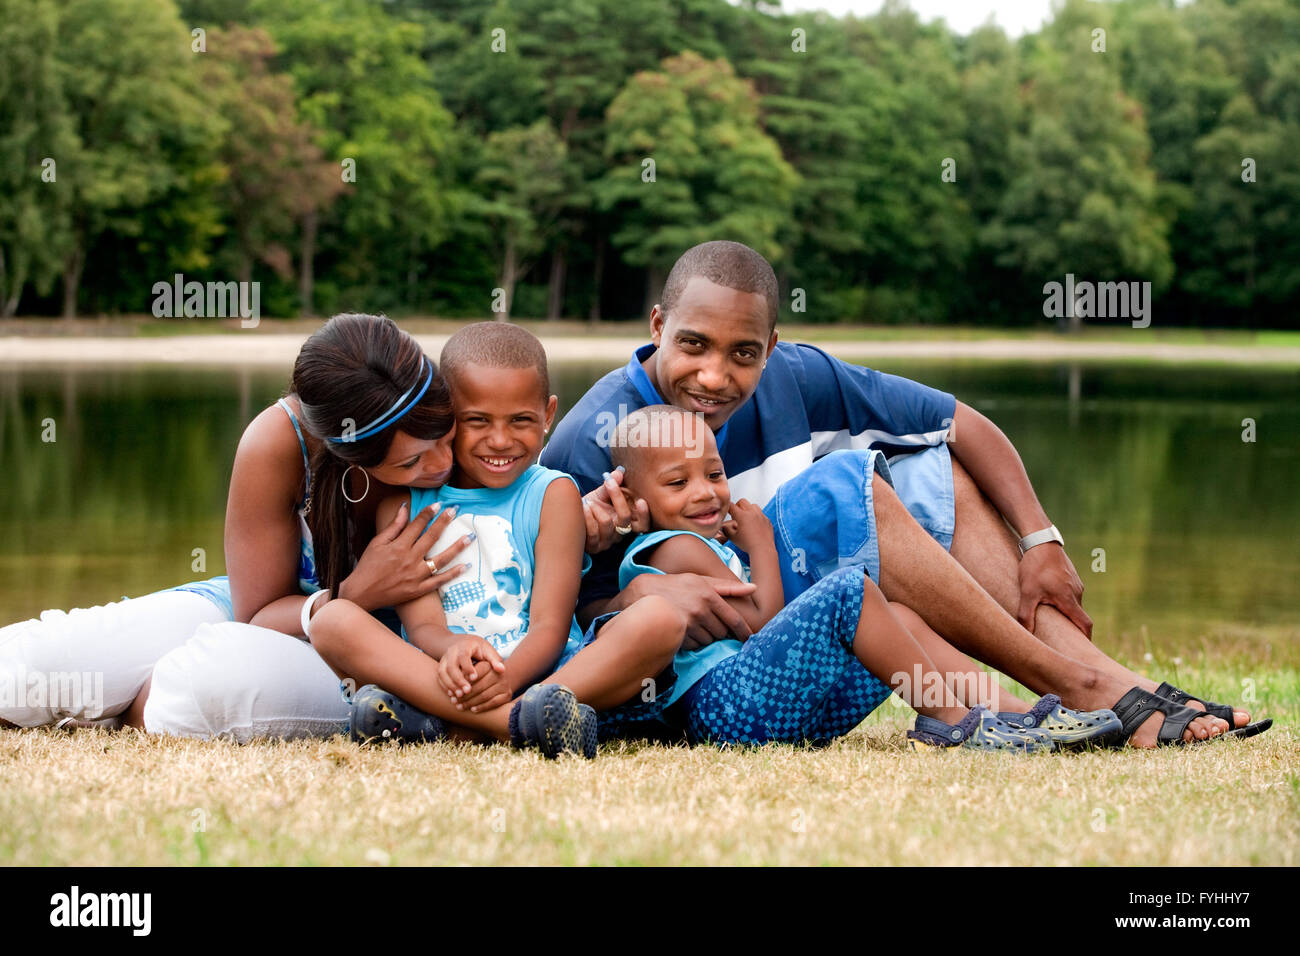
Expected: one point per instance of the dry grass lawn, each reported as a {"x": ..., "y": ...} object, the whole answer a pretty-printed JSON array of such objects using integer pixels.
[{"x": 98, "y": 798}]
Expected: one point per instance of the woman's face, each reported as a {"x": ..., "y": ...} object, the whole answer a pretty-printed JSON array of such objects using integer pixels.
[{"x": 416, "y": 462}]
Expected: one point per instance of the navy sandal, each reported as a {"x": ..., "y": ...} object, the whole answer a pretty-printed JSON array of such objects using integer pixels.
[
  {"x": 1070, "y": 729},
  {"x": 980, "y": 729},
  {"x": 1223, "y": 711},
  {"x": 549, "y": 717},
  {"x": 378, "y": 715}
]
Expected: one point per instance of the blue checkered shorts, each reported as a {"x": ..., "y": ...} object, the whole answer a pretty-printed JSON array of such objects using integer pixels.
[{"x": 797, "y": 680}]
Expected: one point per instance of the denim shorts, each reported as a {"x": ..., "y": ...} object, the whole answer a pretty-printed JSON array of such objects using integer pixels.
[{"x": 923, "y": 481}]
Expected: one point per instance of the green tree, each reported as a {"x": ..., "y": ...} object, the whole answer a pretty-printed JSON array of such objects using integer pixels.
[
  {"x": 277, "y": 181},
  {"x": 141, "y": 127},
  {"x": 1082, "y": 197},
  {"x": 525, "y": 172},
  {"x": 35, "y": 214},
  {"x": 689, "y": 163},
  {"x": 362, "y": 82}
]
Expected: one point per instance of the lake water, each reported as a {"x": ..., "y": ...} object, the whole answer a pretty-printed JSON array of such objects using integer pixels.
[{"x": 1200, "y": 529}]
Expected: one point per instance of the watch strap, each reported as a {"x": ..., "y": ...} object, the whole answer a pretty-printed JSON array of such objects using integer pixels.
[{"x": 1041, "y": 537}]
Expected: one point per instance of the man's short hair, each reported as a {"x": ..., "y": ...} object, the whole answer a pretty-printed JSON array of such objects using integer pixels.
[
  {"x": 730, "y": 264},
  {"x": 496, "y": 345}
]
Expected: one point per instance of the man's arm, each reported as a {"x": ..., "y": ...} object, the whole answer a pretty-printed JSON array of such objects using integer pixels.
[
  {"x": 686, "y": 554},
  {"x": 1046, "y": 574}
]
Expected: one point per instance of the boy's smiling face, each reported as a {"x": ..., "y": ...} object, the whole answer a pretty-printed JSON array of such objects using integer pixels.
[
  {"x": 684, "y": 490},
  {"x": 502, "y": 416}
]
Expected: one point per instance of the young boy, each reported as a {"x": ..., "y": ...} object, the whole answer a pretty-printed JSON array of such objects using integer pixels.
[
  {"x": 502, "y": 627},
  {"x": 780, "y": 685}
]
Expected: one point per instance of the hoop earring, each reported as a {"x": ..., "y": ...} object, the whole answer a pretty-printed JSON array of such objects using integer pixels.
[{"x": 345, "y": 485}]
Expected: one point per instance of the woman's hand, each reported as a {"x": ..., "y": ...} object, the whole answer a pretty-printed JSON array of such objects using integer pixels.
[{"x": 393, "y": 570}]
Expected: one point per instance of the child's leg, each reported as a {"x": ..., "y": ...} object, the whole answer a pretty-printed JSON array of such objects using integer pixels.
[
  {"x": 358, "y": 647},
  {"x": 633, "y": 647},
  {"x": 969, "y": 683},
  {"x": 782, "y": 683},
  {"x": 778, "y": 688},
  {"x": 887, "y": 649}
]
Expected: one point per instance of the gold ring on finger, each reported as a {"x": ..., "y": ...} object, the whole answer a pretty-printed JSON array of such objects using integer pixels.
[
  {"x": 432, "y": 565},
  {"x": 623, "y": 529}
]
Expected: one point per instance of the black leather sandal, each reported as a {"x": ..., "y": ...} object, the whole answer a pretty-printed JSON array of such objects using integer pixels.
[
  {"x": 1137, "y": 705},
  {"x": 1223, "y": 711}
]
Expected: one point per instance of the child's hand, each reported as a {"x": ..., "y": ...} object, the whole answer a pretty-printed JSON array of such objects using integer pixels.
[
  {"x": 491, "y": 689},
  {"x": 748, "y": 527},
  {"x": 456, "y": 670}
]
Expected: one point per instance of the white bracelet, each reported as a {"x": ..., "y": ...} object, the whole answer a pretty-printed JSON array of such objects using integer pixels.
[
  {"x": 1041, "y": 537},
  {"x": 305, "y": 617}
]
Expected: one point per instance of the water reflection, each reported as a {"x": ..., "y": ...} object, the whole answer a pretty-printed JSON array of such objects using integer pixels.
[{"x": 1143, "y": 468}]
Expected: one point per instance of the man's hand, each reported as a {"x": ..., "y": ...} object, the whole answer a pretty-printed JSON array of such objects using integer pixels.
[
  {"x": 702, "y": 600},
  {"x": 609, "y": 507},
  {"x": 1048, "y": 577}
]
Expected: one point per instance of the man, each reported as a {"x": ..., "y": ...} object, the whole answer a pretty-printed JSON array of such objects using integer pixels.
[{"x": 936, "y": 537}]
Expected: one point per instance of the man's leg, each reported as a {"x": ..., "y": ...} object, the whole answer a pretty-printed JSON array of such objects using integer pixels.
[
  {"x": 984, "y": 545},
  {"x": 916, "y": 571}
]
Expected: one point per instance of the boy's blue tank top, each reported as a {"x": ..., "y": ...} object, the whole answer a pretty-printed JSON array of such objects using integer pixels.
[
  {"x": 493, "y": 596},
  {"x": 692, "y": 665}
]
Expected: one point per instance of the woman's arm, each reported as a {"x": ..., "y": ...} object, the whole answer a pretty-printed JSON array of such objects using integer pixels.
[
  {"x": 423, "y": 617},
  {"x": 263, "y": 538},
  {"x": 261, "y": 532}
]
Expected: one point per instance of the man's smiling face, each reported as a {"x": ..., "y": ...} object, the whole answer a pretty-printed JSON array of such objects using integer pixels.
[{"x": 711, "y": 349}]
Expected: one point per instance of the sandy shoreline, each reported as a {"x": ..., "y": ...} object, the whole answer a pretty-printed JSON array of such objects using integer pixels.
[{"x": 279, "y": 350}]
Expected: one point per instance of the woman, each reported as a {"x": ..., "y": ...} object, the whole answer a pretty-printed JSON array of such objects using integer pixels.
[{"x": 366, "y": 413}]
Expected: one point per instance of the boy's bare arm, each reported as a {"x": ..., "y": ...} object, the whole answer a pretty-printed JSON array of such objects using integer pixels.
[
  {"x": 751, "y": 530},
  {"x": 557, "y": 574}
]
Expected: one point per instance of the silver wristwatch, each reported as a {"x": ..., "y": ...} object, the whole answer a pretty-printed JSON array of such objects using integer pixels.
[{"x": 1041, "y": 537}]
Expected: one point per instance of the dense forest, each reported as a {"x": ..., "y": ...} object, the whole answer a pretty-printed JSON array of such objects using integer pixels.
[{"x": 445, "y": 156}]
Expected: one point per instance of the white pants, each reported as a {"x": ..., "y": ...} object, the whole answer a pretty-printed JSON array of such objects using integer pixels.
[{"x": 211, "y": 677}]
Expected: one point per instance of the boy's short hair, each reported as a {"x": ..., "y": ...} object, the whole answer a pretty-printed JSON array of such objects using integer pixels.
[
  {"x": 654, "y": 426},
  {"x": 730, "y": 264},
  {"x": 496, "y": 345}
]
